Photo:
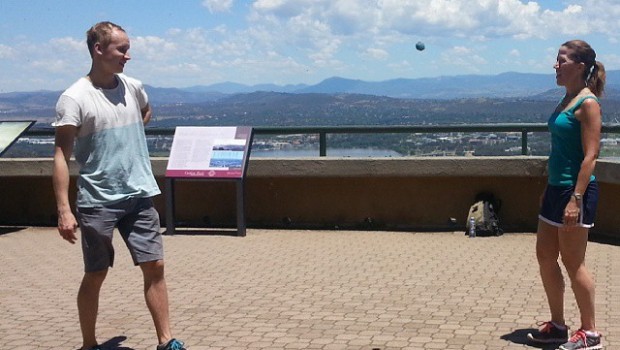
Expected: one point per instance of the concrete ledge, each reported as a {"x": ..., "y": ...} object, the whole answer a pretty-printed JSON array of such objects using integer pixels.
[
  {"x": 606, "y": 171},
  {"x": 397, "y": 167},
  {"x": 335, "y": 167}
]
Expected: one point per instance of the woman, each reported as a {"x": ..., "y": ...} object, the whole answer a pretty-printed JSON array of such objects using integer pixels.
[{"x": 570, "y": 199}]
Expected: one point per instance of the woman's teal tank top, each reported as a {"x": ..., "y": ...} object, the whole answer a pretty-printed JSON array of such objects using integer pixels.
[{"x": 566, "y": 147}]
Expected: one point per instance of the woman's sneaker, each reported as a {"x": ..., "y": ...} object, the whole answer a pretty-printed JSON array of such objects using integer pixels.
[
  {"x": 549, "y": 333},
  {"x": 173, "y": 344},
  {"x": 582, "y": 341}
]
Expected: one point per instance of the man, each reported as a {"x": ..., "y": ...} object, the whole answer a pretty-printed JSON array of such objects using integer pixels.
[{"x": 104, "y": 114}]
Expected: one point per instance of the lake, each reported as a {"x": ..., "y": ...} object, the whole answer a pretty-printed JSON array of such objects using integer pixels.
[{"x": 331, "y": 152}]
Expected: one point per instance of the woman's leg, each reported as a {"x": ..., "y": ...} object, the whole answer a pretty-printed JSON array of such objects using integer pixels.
[
  {"x": 547, "y": 253},
  {"x": 573, "y": 242}
]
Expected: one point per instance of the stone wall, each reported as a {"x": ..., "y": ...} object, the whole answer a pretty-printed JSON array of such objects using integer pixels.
[{"x": 408, "y": 193}]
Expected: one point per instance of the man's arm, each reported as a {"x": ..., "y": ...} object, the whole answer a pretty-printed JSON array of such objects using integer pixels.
[
  {"x": 63, "y": 147},
  {"x": 147, "y": 112}
]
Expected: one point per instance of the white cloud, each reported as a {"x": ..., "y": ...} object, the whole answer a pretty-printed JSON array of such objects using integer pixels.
[
  {"x": 403, "y": 66},
  {"x": 603, "y": 17},
  {"x": 285, "y": 8},
  {"x": 611, "y": 61},
  {"x": 6, "y": 52},
  {"x": 218, "y": 5},
  {"x": 68, "y": 43},
  {"x": 52, "y": 66},
  {"x": 376, "y": 54},
  {"x": 325, "y": 55},
  {"x": 488, "y": 18},
  {"x": 152, "y": 48},
  {"x": 199, "y": 56},
  {"x": 353, "y": 17},
  {"x": 464, "y": 57}
]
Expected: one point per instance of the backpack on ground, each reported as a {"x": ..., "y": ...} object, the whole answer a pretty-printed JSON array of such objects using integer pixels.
[{"x": 484, "y": 214}]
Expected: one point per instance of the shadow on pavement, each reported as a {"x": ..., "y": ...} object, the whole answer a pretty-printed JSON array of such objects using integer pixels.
[
  {"x": 205, "y": 232},
  {"x": 7, "y": 230},
  {"x": 115, "y": 344},
  {"x": 519, "y": 336},
  {"x": 604, "y": 239}
]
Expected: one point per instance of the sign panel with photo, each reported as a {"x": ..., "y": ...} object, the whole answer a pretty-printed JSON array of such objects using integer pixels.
[{"x": 209, "y": 152}]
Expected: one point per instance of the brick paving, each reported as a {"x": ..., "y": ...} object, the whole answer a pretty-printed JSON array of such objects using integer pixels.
[{"x": 300, "y": 290}]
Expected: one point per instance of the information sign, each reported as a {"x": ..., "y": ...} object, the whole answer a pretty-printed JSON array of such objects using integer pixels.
[
  {"x": 10, "y": 131},
  {"x": 209, "y": 152}
]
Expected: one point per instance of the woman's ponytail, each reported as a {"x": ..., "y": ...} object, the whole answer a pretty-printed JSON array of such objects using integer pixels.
[{"x": 596, "y": 79}]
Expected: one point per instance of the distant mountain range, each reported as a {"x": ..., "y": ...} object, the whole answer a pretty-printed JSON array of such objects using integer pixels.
[
  {"x": 449, "y": 87},
  {"x": 505, "y": 85}
]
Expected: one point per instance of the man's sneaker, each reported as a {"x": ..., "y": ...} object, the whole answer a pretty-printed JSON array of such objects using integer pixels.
[
  {"x": 173, "y": 344},
  {"x": 582, "y": 341},
  {"x": 549, "y": 333}
]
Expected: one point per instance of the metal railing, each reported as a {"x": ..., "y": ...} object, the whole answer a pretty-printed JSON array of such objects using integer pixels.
[{"x": 323, "y": 131}]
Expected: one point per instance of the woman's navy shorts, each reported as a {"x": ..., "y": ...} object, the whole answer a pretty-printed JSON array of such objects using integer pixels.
[{"x": 556, "y": 198}]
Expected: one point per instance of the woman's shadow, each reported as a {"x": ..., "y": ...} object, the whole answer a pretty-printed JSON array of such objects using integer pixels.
[{"x": 519, "y": 336}]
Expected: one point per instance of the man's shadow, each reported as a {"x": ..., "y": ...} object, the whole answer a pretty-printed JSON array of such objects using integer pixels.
[
  {"x": 519, "y": 336},
  {"x": 115, "y": 343}
]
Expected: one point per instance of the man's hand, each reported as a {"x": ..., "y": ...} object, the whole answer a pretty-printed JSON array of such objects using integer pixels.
[{"x": 67, "y": 227}]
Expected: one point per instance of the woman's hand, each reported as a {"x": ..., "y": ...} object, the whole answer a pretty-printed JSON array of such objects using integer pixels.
[{"x": 572, "y": 213}]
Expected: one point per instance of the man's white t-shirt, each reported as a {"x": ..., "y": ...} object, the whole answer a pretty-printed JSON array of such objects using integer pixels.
[{"x": 110, "y": 145}]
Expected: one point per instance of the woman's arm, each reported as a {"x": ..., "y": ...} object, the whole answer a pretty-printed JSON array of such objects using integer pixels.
[{"x": 589, "y": 114}]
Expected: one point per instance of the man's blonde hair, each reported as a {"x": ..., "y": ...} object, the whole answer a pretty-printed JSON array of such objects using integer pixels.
[{"x": 100, "y": 33}]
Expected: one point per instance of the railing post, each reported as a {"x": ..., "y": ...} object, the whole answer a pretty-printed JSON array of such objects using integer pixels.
[
  {"x": 524, "y": 142},
  {"x": 322, "y": 144}
]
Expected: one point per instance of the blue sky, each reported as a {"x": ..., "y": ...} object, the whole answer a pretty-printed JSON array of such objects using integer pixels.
[{"x": 201, "y": 42}]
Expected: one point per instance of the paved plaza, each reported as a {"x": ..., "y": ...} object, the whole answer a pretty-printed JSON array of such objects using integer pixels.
[{"x": 295, "y": 289}]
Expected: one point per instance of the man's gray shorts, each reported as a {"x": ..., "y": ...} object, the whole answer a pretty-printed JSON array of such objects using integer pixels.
[{"x": 138, "y": 223}]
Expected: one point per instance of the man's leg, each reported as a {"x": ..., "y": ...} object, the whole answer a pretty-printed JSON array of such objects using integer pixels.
[
  {"x": 141, "y": 231},
  {"x": 88, "y": 305},
  {"x": 156, "y": 296},
  {"x": 96, "y": 226}
]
